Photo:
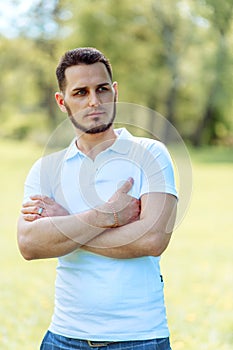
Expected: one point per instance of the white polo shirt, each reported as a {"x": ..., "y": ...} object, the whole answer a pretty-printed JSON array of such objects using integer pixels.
[{"x": 97, "y": 297}]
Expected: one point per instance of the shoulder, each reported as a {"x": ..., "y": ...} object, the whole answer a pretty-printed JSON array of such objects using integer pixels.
[
  {"x": 56, "y": 157},
  {"x": 148, "y": 142},
  {"x": 48, "y": 162},
  {"x": 154, "y": 147}
]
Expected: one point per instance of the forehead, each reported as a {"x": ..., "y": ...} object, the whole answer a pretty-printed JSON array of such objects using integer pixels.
[{"x": 84, "y": 75}]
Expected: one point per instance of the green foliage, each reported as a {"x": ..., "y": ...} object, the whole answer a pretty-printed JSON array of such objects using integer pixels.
[{"x": 172, "y": 56}]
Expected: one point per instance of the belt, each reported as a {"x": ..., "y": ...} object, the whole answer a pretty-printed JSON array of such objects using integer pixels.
[{"x": 96, "y": 344}]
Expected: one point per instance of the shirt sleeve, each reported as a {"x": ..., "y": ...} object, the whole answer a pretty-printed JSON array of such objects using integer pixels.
[
  {"x": 36, "y": 182},
  {"x": 157, "y": 170}
]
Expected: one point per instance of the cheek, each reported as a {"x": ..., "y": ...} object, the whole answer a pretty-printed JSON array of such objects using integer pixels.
[
  {"x": 109, "y": 97},
  {"x": 75, "y": 105}
]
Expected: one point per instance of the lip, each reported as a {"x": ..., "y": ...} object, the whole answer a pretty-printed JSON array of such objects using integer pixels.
[{"x": 94, "y": 114}]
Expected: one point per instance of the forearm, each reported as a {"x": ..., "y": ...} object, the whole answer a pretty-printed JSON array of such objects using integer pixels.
[
  {"x": 148, "y": 236},
  {"x": 57, "y": 236},
  {"x": 131, "y": 241}
]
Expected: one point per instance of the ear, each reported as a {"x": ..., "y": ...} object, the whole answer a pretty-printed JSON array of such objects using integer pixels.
[
  {"x": 115, "y": 88},
  {"x": 60, "y": 101}
]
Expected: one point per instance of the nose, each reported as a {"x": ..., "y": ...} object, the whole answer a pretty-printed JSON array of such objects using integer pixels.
[{"x": 94, "y": 100}]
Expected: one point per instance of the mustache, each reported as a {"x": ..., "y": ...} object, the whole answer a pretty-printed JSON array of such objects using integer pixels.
[
  {"x": 104, "y": 108},
  {"x": 94, "y": 111}
]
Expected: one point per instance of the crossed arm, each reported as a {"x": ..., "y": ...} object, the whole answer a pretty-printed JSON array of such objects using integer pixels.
[
  {"x": 148, "y": 236},
  {"x": 137, "y": 235}
]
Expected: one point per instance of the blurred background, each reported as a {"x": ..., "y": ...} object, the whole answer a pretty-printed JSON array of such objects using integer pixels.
[{"x": 174, "y": 57}]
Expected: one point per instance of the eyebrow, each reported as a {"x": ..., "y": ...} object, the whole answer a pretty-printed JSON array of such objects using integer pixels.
[{"x": 85, "y": 87}]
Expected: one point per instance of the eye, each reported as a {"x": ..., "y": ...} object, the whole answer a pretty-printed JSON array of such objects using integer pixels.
[
  {"x": 102, "y": 89},
  {"x": 80, "y": 92}
]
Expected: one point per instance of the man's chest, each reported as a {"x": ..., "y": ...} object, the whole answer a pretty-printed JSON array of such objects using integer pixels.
[{"x": 85, "y": 185}]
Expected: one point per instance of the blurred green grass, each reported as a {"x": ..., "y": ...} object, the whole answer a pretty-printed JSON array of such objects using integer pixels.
[{"x": 197, "y": 265}]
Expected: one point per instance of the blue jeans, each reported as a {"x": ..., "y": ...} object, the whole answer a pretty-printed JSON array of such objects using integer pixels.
[{"x": 53, "y": 341}]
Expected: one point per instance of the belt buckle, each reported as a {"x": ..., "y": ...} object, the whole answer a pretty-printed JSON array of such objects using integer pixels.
[{"x": 96, "y": 344}]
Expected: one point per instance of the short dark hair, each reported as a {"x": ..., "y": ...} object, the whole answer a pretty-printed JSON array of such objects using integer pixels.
[{"x": 81, "y": 55}]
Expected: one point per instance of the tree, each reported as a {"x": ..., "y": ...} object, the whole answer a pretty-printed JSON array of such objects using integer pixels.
[
  {"x": 46, "y": 21},
  {"x": 220, "y": 17},
  {"x": 143, "y": 43},
  {"x": 32, "y": 54},
  {"x": 170, "y": 56}
]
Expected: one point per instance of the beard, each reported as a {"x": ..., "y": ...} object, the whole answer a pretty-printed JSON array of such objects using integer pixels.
[{"x": 95, "y": 129}]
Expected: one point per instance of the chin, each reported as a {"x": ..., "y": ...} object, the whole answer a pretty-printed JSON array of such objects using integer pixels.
[
  {"x": 95, "y": 128},
  {"x": 98, "y": 129}
]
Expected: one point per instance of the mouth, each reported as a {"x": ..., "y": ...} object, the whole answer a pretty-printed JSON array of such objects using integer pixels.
[{"x": 95, "y": 114}]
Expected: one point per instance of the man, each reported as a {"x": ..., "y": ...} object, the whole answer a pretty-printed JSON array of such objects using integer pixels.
[{"x": 106, "y": 208}]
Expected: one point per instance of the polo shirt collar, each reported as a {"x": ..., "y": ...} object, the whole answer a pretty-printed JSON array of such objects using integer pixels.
[
  {"x": 72, "y": 150},
  {"x": 121, "y": 145},
  {"x": 123, "y": 142}
]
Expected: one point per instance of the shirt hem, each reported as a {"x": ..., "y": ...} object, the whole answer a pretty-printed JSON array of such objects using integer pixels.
[{"x": 115, "y": 337}]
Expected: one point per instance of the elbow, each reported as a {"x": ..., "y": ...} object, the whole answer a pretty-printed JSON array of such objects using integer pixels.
[
  {"x": 24, "y": 248},
  {"x": 158, "y": 243},
  {"x": 25, "y": 244},
  {"x": 156, "y": 251}
]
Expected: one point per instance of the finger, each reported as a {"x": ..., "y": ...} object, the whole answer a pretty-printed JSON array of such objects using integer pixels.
[
  {"x": 29, "y": 210},
  {"x": 33, "y": 203},
  {"x": 33, "y": 210},
  {"x": 31, "y": 217},
  {"x": 126, "y": 187},
  {"x": 42, "y": 198},
  {"x": 26, "y": 210}
]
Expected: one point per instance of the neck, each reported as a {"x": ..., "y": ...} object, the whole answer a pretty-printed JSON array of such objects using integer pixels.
[{"x": 93, "y": 144}]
